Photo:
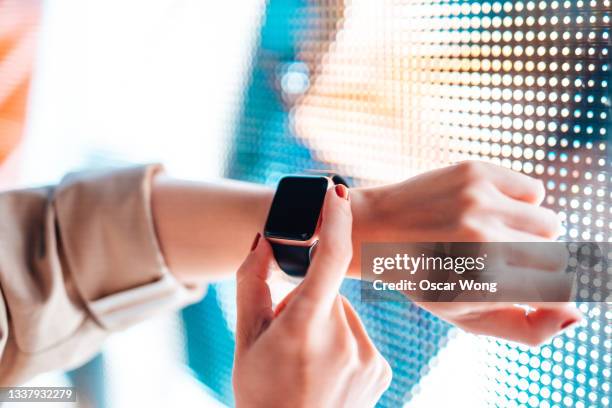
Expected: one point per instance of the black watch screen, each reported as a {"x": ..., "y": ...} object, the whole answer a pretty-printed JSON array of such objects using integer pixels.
[{"x": 295, "y": 208}]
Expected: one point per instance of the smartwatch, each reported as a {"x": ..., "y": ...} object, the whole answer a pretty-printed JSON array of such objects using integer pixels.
[{"x": 294, "y": 219}]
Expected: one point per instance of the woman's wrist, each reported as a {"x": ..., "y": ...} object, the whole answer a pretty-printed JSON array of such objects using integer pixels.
[{"x": 366, "y": 220}]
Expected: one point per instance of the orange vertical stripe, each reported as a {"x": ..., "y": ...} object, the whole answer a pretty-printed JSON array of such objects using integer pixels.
[{"x": 18, "y": 27}]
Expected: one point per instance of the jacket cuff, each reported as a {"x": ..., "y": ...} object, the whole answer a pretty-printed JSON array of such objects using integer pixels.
[{"x": 109, "y": 245}]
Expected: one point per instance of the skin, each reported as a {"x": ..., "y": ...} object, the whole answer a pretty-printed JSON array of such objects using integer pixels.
[
  {"x": 318, "y": 340},
  {"x": 204, "y": 230}
]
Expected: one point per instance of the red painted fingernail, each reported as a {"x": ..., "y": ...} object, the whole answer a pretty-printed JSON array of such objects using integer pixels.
[
  {"x": 342, "y": 191},
  {"x": 568, "y": 323},
  {"x": 255, "y": 241}
]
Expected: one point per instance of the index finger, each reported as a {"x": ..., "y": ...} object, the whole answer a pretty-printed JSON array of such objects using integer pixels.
[
  {"x": 518, "y": 185},
  {"x": 509, "y": 182},
  {"x": 333, "y": 253}
]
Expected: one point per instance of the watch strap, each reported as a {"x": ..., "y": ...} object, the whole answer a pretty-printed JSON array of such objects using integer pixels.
[
  {"x": 338, "y": 179},
  {"x": 292, "y": 259}
]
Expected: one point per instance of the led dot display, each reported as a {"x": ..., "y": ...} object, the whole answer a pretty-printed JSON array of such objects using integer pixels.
[{"x": 383, "y": 90}]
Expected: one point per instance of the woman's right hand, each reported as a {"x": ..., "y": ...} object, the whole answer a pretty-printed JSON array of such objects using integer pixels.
[{"x": 316, "y": 353}]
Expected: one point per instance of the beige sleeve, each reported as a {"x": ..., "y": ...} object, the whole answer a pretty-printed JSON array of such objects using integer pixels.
[{"x": 78, "y": 261}]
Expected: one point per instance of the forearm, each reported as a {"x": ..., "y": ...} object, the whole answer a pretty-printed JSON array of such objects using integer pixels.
[{"x": 205, "y": 229}]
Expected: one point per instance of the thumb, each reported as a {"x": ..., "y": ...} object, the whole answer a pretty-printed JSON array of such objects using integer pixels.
[
  {"x": 533, "y": 328},
  {"x": 253, "y": 300}
]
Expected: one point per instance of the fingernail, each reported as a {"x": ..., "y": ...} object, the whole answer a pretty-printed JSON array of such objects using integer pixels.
[
  {"x": 255, "y": 242},
  {"x": 568, "y": 323},
  {"x": 342, "y": 191}
]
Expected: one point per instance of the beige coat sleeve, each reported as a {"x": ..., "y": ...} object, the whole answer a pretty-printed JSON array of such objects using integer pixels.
[{"x": 78, "y": 261}]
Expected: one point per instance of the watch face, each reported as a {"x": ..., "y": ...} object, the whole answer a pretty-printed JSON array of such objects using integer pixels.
[{"x": 296, "y": 207}]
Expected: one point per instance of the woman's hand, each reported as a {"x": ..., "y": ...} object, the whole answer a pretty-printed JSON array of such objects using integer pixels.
[
  {"x": 316, "y": 353},
  {"x": 468, "y": 202},
  {"x": 506, "y": 320}
]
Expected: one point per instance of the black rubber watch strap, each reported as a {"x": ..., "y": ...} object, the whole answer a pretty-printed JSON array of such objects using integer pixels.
[
  {"x": 338, "y": 179},
  {"x": 293, "y": 260}
]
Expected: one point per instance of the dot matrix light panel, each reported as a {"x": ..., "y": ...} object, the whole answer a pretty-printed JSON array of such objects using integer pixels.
[{"x": 383, "y": 90}]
